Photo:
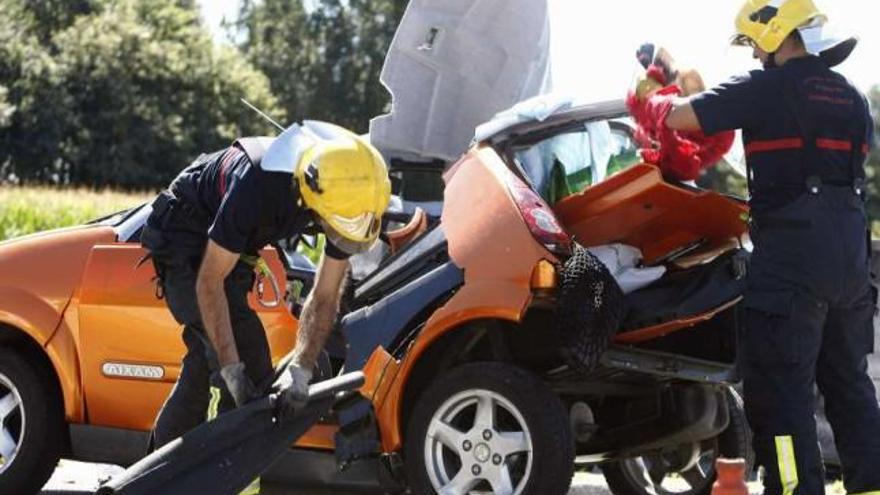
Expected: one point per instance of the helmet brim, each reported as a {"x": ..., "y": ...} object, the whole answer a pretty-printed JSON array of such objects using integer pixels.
[
  {"x": 742, "y": 40},
  {"x": 830, "y": 45}
]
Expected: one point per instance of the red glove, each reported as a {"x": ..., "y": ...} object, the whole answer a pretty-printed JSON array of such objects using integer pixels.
[{"x": 680, "y": 155}]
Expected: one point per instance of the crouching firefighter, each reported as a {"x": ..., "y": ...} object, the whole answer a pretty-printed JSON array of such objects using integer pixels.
[
  {"x": 809, "y": 303},
  {"x": 204, "y": 235}
]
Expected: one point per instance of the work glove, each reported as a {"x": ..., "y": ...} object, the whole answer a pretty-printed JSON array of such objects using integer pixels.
[
  {"x": 293, "y": 390},
  {"x": 240, "y": 386}
]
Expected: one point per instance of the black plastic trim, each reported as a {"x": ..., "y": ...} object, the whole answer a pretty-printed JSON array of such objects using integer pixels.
[{"x": 382, "y": 323}]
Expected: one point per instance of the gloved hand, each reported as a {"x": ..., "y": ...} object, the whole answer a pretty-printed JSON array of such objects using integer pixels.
[
  {"x": 293, "y": 385},
  {"x": 239, "y": 384}
]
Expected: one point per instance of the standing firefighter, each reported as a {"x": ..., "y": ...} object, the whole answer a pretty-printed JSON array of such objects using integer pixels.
[
  {"x": 809, "y": 303},
  {"x": 204, "y": 235}
]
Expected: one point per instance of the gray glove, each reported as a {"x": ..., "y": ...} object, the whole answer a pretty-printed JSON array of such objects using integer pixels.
[
  {"x": 293, "y": 386},
  {"x": 239, "y": 384}
]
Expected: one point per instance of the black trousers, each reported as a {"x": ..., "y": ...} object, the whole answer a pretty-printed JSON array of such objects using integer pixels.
[
  {"x": 809, "y": 311},
  {"x": 176, "y": 248}
]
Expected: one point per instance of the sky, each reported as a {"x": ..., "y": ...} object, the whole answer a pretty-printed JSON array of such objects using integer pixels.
[{"x": 594, "y": 42}]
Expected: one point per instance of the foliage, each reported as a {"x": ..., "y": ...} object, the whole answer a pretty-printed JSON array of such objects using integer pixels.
[
  {"x": 24, "y": 210},
  {"x": 724, "y": 179},
  {"x": 323, "y": 57},
  {"x": 125, "y": 93},
  {"x": 6, "y": 110}
]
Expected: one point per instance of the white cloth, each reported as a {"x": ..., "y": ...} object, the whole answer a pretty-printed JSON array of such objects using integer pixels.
[{"x": 623, "y": 263}]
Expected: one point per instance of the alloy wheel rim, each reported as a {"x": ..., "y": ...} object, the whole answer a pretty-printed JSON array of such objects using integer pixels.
[
  {"x": 478, "y": 443},
  {"x": 651, "y": 470},
  {"x": 12, "y": 423}
]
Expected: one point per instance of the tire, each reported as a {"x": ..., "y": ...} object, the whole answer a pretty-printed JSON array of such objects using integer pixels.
[
  {"x": 526, "y": 414},
  {"x": 31, "y": 416},
  {"x": 628, "y": 477}
]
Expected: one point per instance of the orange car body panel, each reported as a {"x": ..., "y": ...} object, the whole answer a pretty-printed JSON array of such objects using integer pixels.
[
  {"x": 637, "y": 207},
  {"x": 497, "y": 253},
  {"x": 123, "y": 322},
  {"x": 63, "y": 352},
  {"x": 40, "y": 274},
  {"x": 653, "y": 332}
]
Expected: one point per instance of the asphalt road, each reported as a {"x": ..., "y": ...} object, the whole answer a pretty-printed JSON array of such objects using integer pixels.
[{"x": 78, "y": 478}]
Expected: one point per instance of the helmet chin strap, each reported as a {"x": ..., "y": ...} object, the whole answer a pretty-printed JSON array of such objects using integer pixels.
[{"x": 771, "y": 62}]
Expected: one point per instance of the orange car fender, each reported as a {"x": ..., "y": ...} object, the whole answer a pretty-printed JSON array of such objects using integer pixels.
[
  {"x": 449, "y": 318},
  {"x": 489, "y": 240},
  {"x": 39, "y": 320},
  {"x": 62, "y": 352},
  {"x": 32, "y": 315}
]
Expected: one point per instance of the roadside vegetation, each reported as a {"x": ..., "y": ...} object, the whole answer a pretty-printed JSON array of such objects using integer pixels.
[{"x": 25, "y": 210}]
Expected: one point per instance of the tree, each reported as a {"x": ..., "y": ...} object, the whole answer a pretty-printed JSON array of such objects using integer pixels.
[
  {"x": 29, "y": 75},
  {"x": 6, "y": 110},
  {"x": 125, "y": 95},
  {"x": 323, "y": 62}
]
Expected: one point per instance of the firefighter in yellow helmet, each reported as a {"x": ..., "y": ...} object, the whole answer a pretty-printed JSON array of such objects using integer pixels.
[
  {"x": 204, "y": 235},
  {"x": 809, "y": 304}
]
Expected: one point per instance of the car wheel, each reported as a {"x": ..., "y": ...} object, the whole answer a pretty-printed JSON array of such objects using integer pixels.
[
  {"x": 489, "y": 428},
  {"x": 31, "y": 426},
  {"x": 688, "y": 469}
]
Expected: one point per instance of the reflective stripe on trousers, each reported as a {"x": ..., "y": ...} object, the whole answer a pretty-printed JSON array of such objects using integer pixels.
[
  {"x": 254, "y": 487},
  {"x": 788, "y": 474}
]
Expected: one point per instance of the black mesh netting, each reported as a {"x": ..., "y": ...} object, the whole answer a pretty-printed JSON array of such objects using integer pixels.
[{"x": 591, "y": 307}]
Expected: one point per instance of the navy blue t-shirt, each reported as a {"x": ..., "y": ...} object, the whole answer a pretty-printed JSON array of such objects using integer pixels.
[
  {"x": 756, "y": 103},
  {"x": 250, "y": 207}
]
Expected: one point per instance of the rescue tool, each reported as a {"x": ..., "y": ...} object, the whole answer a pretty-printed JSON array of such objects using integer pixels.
[{"x": 224, "y": 455}]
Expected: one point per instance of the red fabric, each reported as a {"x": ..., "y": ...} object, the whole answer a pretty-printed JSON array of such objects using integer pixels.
[
  {"x": 774, "y": 145},
  {"x": 795, "y": 143},
  {"x": 834, "y": 144},
  {"x": 656, "y": 73},
  {"x": 680, "y": 155}
]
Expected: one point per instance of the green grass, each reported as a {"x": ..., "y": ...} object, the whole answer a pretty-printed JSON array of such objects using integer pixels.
[{"x": 25, "y": 210}]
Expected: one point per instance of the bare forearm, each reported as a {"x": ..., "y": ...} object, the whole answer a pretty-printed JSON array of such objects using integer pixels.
[
  {"x": 215, "y": 316},
  {"x": 682, "y": 116},
  {"x": 316, "y": 323}
]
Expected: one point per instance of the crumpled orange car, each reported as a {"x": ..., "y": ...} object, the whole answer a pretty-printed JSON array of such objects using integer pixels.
[
  {"x": 497, "y": 373},
  {"x": 505, "y": 352}
]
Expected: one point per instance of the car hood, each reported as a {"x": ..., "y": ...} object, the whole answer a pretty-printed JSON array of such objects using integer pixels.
[{"x": 453, "y": 65}]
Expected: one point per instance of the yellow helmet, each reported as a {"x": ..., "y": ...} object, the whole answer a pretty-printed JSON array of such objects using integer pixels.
[
  {"x": 344, "y": 180},
  {"x": 766, "y": 23}
]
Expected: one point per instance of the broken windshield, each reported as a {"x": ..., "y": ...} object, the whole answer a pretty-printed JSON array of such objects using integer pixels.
[{"x": 568, "y": 163}]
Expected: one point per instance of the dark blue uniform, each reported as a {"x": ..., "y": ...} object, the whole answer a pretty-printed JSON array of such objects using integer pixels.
[
  {"x": 228, "y": 198},
  {"x": 809, "y": 303}
]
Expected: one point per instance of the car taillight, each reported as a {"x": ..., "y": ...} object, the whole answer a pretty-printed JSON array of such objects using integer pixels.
[{"x": 540, "y": 218}]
